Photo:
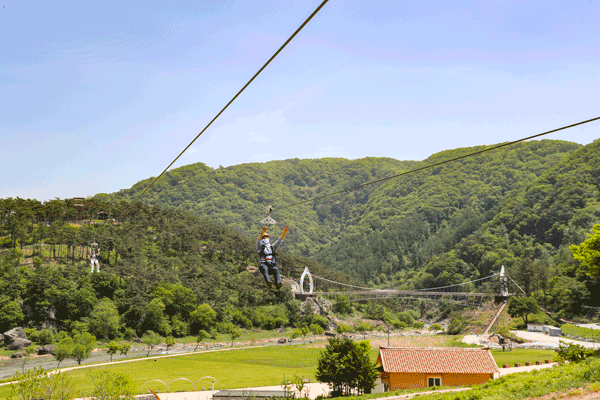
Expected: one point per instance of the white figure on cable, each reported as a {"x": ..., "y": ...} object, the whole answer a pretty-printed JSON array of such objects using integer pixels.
[{"x": 94, "y": 260}]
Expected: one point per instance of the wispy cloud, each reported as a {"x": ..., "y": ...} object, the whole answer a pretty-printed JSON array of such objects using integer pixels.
[
  {"x": 324, "y": 152},
  {"x": 263, "y": 157},
  {"x": 258, "y": 138}
]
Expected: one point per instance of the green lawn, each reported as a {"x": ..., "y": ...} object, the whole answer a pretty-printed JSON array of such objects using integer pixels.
[
  {"x": 521, "y": 356},
  {"x": 233, "y": 369},
  {"x": 264, "y": 366}
]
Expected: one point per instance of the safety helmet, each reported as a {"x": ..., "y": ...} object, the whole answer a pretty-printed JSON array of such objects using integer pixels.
[{"x": 265, "y": 234}]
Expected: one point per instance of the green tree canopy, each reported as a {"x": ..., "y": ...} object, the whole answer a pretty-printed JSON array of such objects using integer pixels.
[
  {"x": 83, "y": 344},
  {"x": 588, "y": 252},
  {"x": 104, "y": 319},
  {"x": 345, "y": 366},
  {"x": 522, "y": 307},
  {"x": 63, "y": 349},
  {"x": 203, "y": 317},
  {"x": 151, "y": 339}
]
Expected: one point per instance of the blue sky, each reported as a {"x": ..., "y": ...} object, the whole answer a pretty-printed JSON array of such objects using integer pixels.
[{"x": 96, "y": 96}]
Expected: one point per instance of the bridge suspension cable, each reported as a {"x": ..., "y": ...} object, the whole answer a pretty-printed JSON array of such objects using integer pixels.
[
  {"x": 465, "y": 304},
  {"x": 344, "y": 284},
  {"x": 388, "y": 289}
]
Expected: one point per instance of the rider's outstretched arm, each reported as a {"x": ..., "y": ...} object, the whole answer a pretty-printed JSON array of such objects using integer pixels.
[
  {"x": 284, "y": 232},
  {"x": 278, "y": 241}
]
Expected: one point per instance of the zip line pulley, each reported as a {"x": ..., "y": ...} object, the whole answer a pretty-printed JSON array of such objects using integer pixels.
[{"x": 268, "y": 220}]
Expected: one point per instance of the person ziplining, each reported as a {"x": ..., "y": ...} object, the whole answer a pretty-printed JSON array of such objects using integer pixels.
[
  {"x": 94, "y": 254},
  {"x": 266, "y": 251}
]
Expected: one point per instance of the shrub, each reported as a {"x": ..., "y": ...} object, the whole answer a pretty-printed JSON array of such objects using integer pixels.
[
  {"x": 406, "y": 317},
  {"x": 573, "y": 352},
  {"x": 343, "y": 328},
  {"x": 45, "y": 336},
  {"x": 111, "y": 385},
  {"x": 319, "y": 320},
  {"x": 457, "y": 325},
  {"x": 419, "y": 325},
  {"x": 36, "y": 384},
  {"x": 342, "y": 305}
]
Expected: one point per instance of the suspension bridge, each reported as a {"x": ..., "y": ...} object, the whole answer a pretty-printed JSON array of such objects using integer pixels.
[{"x": 499, "y": 286}]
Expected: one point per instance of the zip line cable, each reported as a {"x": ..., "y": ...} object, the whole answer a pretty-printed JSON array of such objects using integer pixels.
[
  {"x": 436, "y": 164},
  {"x": 230, "y": 101}
]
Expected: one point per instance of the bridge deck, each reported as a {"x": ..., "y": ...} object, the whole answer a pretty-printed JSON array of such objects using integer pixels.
[{"x": 420, "y": 293}]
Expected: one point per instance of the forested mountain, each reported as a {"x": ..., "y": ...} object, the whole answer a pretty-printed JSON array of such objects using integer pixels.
[
  {"x": 237, "y": 196},
  {"x": 375, "y": 231},
  {"x": 162, "y": 270},
  {"x": 533, "y": 231},
  {"x": 414, "y": 219}
]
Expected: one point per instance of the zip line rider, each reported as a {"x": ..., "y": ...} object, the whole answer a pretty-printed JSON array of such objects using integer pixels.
[
  {"x": 93, "y": 254},
  {"x": 266, "y": 251}
]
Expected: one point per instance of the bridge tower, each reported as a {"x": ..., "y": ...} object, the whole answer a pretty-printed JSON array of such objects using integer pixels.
[{"x": 504, "y": 293}]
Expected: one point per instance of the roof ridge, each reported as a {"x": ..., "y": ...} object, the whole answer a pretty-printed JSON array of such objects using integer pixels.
[{"x": 435, "y": 348}]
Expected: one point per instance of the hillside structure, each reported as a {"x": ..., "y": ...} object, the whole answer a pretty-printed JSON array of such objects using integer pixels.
[{"x": 418, "y": 367}]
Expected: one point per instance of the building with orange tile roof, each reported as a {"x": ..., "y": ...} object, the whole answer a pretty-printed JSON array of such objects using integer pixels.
[{"x": 417, "y": 367}]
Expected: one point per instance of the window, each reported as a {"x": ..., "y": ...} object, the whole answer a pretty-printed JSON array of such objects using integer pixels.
[{"x": 434, "y": 382}]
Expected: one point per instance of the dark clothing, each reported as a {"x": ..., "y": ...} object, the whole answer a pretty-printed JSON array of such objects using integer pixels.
[{"x": 267, "y": 268}]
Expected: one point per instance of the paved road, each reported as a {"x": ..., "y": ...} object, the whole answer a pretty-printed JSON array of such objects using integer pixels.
[{"x": 539, "y": 338}]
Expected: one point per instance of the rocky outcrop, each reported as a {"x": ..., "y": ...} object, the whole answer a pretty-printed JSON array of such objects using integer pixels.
[
  {"x": 17, "y": 355},
  {"x": 18, "y": 344},
  {"x": 47, "y": 349},
  {"x": 14, "y": 333},
  {"x": 16, "y": 339}
]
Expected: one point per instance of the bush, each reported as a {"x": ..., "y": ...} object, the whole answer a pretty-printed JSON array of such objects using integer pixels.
[
  {"x": 419, "y": 325},
  {"x": 414, "y": 313},
  {"x": 573, "y": 352},
  {"x": 342, "y": 306},
  {"x": 343, "y": 328},
  {"x": 319, "y": 320},
  {"x": 406, "y": 317},
  {"x": 32, "y": 334},
  {"x": 269, "y": 317},
  {"x": 36, "y": 384},
  {"x": 45, "y": 336},
  {"x": 457, "y": 325},
  {"x": 398, "y": 324},
  {"x": 111, "y": 385}
]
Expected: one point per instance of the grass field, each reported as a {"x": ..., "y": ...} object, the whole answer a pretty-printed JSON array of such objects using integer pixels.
[
  {"x": 233, "y": 369},
  {"x": 521, "y": 356},
  {"x": 265, "y": 366}
]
